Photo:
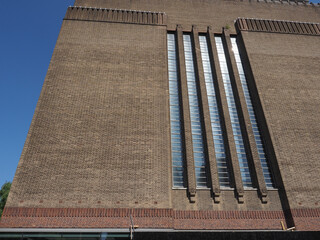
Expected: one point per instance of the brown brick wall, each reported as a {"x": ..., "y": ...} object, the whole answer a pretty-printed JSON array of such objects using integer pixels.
[
  {"x": 144, "y": 218},
  {"x": 115, "y": 15},
  {"x": 216, "y": 13},
  {"x": 99, "y": 135},
  {"x": 274, "y": 26},
  {"x": 154, "y": 218},
  {"x": 286, "y": 71},
  {"x": 228, "y": 201}
]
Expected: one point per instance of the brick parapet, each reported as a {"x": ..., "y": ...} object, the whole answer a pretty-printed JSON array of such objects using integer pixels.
[
  {"x": 277, "y": 26},
  {"x": 292, "y": 2},
  {"x": 278, "y": 2},
  {"x": 115, "y": 15}
]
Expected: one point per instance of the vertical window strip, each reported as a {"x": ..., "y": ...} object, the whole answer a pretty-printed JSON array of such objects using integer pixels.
[
  {"x": 223, "y": 171},
  {"x": 256, "y": 130},
  {"x": 236, "y": 129},
  {"x": 196, "y": 128},
  {"x": 175, "y": 115}
]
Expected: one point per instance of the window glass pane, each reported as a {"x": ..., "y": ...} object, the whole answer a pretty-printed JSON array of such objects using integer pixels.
[
  {"x": 214, "y": 112},
  {"x": 246, "y": 178},
  {"x": 175, "y": 117},
  {"x": 255, "y": 128}
]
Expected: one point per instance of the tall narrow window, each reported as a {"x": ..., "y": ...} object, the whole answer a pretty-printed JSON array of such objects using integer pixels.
[
  {"x": 236, "y": 129},
  {"x": 196, "y": 128},
  {"x": 175, "y": 115},
  {"x": 252, "y": 116},
  {"x": 223, "y": 171}
]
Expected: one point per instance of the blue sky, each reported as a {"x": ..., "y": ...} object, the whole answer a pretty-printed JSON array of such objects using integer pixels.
[
  {"x": 28, "y": 33},
  {"x": 29, "y": 30}
]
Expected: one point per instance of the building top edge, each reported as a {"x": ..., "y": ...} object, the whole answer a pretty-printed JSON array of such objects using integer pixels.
[
  {"x": 282, "y": 2},
  {"x": 288, "y": 2},
  {"x": 114, "y": 9},
  {"x": 277, "y": 20}
]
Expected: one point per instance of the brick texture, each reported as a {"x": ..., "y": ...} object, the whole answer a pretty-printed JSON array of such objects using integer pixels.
[
  {"x": 99, "y": 135},
  {"x": 218, "y": 13},
  {"x": 115, "y": 15},
  {"x": 290, "y": 97},
  {"x": 154, "y": 218},
  {"x": 144, "y": 218},
  {"x": 262, "y": 25},
  {"x": 98, "y": 147}
]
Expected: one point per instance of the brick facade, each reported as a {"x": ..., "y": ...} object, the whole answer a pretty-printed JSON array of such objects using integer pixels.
[
  {"x": 98, "y": 148},
  {"x": 308, "y": 219}
]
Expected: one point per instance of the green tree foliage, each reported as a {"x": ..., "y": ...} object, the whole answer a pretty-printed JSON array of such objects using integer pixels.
[{"x": 4, "y": 192}]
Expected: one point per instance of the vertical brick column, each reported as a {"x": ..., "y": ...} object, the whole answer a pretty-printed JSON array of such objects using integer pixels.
[
  {"x": 260, "y": 117},
  {"x": 230, "y": 145},
  {"x": 247, "y": 132},
  {"x": 186, "y": 118},
  {"x": 211, "y": 159}
]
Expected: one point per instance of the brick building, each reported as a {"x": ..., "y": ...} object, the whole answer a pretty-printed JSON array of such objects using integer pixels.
[{"x": 196, "y": 115}]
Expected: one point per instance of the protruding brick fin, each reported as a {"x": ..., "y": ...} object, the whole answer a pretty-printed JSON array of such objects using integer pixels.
[
  {"x": 115, "y": 15},
  {"x": 191, "y": 176},
  {"x": 273, "y": 26}
]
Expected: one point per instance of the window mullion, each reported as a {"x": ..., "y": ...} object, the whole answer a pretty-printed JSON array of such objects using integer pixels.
[{"x": 200, "y": 163}]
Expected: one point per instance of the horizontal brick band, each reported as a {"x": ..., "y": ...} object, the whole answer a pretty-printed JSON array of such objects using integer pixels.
[
  {"x": 273, "y": 26},
  {"x": 86, "y": 212},
  {"x": 181, "y": 214},
  {"x": 125, "y": 212},
  {"x": 151, "y": 218},
  {"x": 306, "y": 213},
  {"x": 115, "y": 15}
]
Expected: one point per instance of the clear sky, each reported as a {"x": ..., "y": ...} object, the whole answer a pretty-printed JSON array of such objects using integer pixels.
[{"x": 28, "y": 33}]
